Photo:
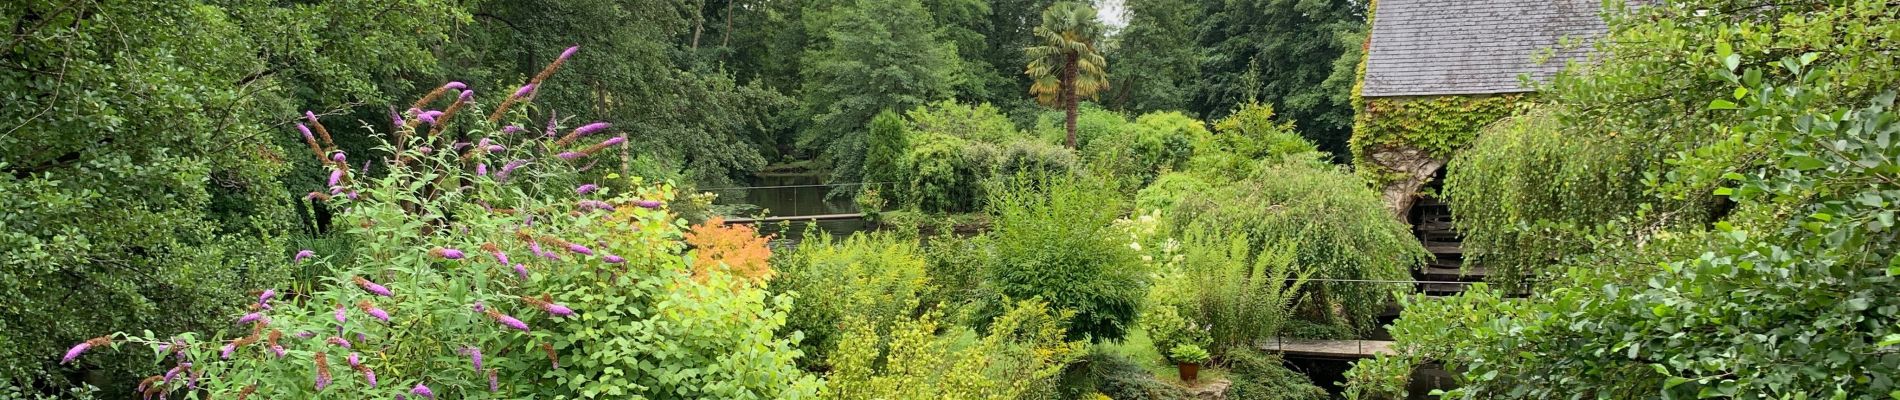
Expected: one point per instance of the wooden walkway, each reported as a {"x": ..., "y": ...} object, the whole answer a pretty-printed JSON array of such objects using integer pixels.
[
  {"x": 1328, "y": 348},
  {"x": 794, "y": 218}
]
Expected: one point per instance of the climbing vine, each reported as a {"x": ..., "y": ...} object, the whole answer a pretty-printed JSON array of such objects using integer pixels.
[{"x": 1438, "y": 125}]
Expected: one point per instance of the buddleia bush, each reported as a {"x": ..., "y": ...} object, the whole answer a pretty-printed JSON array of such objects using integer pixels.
[{"x": 485, "y": 268}]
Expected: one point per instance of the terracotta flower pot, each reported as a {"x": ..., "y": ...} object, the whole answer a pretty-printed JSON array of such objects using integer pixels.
[{"x": 1189, "y": 371}]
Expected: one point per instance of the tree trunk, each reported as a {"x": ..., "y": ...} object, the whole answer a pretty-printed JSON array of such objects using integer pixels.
[
  {"x": 699, "y": 22},
  {"x": 1068, "y": 96},
  {"x": 725, "y": 37}
]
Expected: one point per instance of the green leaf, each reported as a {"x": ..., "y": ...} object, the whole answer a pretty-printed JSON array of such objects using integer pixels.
[
  {"x": 1732, "y": 61},
  {"x": 1721, "y": 104}
]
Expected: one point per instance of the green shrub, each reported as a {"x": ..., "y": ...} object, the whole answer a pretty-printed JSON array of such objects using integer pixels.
[
  {"x": 1056, "y": 241},
  {"x": 1258, "y": 376},
  {"x": 1025, "y": 157},
  {"x": 1123, "y": 379},
  {"x": 1239, "y": 294},
  {"x": 982, "y": 122},
  {"x": 1169, "y": 189},
  {"x": 1245, "y": 138},
  {"x": 1335, "y": 226},
  {"x": 1019, "y": 358},
  {"x": 943, "y": 173},
  {"x": 875, "y": 278},
  {"x": 885, "y": 144},
  {"x": 1382, "y": 377},
  {"x": 1092, "y": 122},
  {"x": 957, "y": 264},
  {"x": 597, "y": 300}
]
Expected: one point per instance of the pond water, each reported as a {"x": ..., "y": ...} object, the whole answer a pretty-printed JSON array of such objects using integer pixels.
[{"x": 792, "y": 195}]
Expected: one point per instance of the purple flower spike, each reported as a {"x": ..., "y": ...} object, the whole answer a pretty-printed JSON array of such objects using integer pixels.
[
  {"x": 589, "y": 205},
  {"x": 467, "y": 95},
  {"x": 521, "y": 271},
  {"x": 310, "y": 116},
  {"x": 396, "y": 119},
  {"x": 306, "y": 334},
  {"x": 577, "y": 248},
  {"x": 524, "y": 90},
  {"x": 511, "y": 322},
  {"x": 422, "y": 390},
  {"x": 494, "y": 384},
  {"x": 336, "y": 177},
  {"x": 278, "y": 350},
  {"x": 228, "y": 349},
  {"x": 370, "y": 376},
  {"x": 570, "y": 155},
  {"x": 269, "y": 293},
  {"x": 650, "y": 204},
  {"x": 378, "y": 313},
  {"x": 481, "y": 169},
  {"x": 338, "y": 157},
  {"x": 565, "y": 54},
  {"x": 73, "y": 353},
  {"x": 613, "y": 259},
  {"x": 448, "y": 253},
  {"x": 554, "y": 124},
  {"x": 302, "y": 254},
  {"x": 341, "y": 317},
  {"x": 455, "y": 85},
  {"x": 617, "y": 140},
  {"x": 339, "y": 341},
  {"x": 351, "y": 195},
  {"x": 306, "y": 133},
  {"x": 250, "y": 318},
  {"x": 474, "y": 356},
  {"x": 495, "y": 148},
  {"x": 585, "y": 189},
  {"x": 425, "y": 149},
  {"x": 429, "y": 116},
  {"x": 355, "y": 360},
  {"x": 589, "y": 129},
  {"x": 557, "y": 309},
  {"x": 173, "y": 373},
  {"x": 322, "y": 382},
  {"x": 370, "y": 287},
  {"x": 511, "y": 129}
]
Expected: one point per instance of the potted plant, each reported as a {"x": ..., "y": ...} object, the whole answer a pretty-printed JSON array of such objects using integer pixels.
[{"x": 1188, "y": 359}]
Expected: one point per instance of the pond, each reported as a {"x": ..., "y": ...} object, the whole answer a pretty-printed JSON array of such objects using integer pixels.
[{"x": 783, "y": 195}]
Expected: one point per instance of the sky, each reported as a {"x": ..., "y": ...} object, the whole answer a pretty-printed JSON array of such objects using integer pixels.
[{"x": 1112, "y": 13}]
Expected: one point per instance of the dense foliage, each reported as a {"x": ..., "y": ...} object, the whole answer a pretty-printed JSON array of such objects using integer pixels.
[
  {"x": 1750, "y": 164},
  {"x": 1055, "y": 241},
  {"x": 874, "y": 281}
]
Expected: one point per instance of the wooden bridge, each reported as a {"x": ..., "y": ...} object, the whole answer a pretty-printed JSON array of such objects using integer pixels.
[{"x": 1346, "y": 349}]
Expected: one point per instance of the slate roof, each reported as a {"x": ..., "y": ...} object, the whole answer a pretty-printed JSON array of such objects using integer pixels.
[{"x": 1447, "y": 47}]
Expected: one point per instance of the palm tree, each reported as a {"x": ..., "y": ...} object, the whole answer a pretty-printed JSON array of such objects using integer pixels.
[{"x": 1066, "y": 66}]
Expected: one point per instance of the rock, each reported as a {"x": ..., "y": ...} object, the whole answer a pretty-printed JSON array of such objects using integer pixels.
[{"x": 1209, "y": 390}]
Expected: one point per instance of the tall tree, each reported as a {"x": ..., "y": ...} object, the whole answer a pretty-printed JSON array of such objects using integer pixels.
[
  {"x": 874, "y": 55},
  {"x": 1066, "y": 65},
  {"x": 1156, "y": 58},
  {"x": 1282, "y": 52}
]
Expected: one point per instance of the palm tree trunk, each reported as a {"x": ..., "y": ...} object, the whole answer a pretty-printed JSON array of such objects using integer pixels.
[{"x": 1068, "y": 96}]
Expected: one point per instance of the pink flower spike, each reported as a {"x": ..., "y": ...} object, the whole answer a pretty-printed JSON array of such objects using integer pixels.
[
  {"x": 336, "y": 177},
  {"x": 613, "y": 259},
  {"x": 474, "y": 356},
  {"x": 565, "y": 54},
  {"x": 585, "y": 189},
  {"x": 649, "y": 204},
  {"x": 302, "y": 254},
  {"x": 455, "y": 85},
  {"x": 429, "y": 116},
  {"x": 467, "y": 95},
  {"x": 73, "y": 353},
  {"x": 557, "y": 309},
  {"x": 372, "y": 288},
  {"x": 511, "y": 129},
  {"x": 448, "y": 253},
  {"x": 338, "y": 157},
  {"x": 617, "y": 140},
  {"x": 228, "y": 350},
  {"x": 422, "y": 390},
  {"x": 521, "y": 271},
  {"x": 524, "y": 90},
  {"x": 250, "y": 318},
  {"x": 481, "y": 169},
  {"x": 355, "y": 360},
  {"x": 577, "y": 248},
  {"x": 570, "y": 155},
  {"x": 306, "y": 133},
  {"x": 589, "y": 129},
  {"x": 378, "y": 313},
  {"x": 310, "y": 116},
  {"x": 340, "y": 342},
  {"x": 269, "y": 293},
  {"x": 511, "y": 322},
  {"x": 341, "y": 317}
]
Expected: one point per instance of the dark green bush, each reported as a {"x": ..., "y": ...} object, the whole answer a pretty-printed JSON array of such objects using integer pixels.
[
  {"x": 1055, "y": 240},
  {"x": 1259, "y": 376},
  {"x": 1123, "y": 379},
  {"x": 1092, "y": 122},
  {"x": 982, "y": 122},
  {"x": 884, "y": 147}
]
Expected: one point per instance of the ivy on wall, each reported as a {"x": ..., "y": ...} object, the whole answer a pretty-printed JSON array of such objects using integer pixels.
[{"x": 1438, "y": 125}]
